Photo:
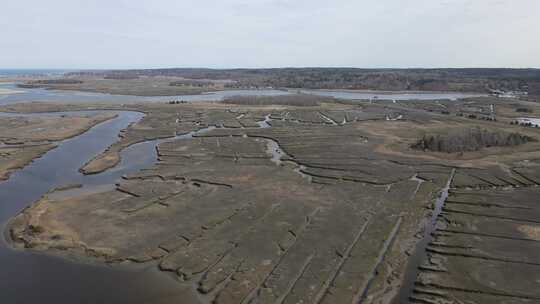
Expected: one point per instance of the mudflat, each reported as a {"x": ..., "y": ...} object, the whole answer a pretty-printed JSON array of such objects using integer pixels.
[{"x": 316, "y": 204}]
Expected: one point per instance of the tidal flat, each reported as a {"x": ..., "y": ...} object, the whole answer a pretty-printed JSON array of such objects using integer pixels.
[{"x": 326, "y": 203}]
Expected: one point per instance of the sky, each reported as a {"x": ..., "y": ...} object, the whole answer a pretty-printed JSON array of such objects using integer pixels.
[{"x": 109, "y": 34}]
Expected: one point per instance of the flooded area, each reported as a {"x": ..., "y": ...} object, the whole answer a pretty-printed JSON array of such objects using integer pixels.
[{"x": 29, "y": 277}]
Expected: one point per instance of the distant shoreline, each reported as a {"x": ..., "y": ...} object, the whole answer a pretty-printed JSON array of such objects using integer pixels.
[
  {"x": 9, "y": 91},
  {"x": 386, "y": 92}
]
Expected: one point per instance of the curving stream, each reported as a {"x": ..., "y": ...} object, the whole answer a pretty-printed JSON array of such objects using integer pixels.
[{"x": 31, "y": 277}]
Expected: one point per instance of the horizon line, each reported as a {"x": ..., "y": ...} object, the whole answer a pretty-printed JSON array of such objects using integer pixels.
[{"x": 270, "y": 68}]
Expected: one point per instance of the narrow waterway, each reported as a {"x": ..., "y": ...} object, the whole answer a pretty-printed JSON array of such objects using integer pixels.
[
  {"x": 420, "y": 254},
  {"x": 31, "y": 277}
]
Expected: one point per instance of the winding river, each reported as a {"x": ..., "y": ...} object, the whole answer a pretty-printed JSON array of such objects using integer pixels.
[{"x": 31, "y": 277}]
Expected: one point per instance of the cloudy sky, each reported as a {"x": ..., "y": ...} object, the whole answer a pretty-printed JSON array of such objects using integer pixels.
[{"x": 269, "y": 33}]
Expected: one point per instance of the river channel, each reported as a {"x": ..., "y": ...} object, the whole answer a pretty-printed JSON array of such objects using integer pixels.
[
  {"x": 44, "y": 95},
  {"x": 31, "y": 277}
]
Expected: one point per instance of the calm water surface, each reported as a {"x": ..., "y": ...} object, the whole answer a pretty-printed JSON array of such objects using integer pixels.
[
  {"x": 44, "y": 95},
  {"x": 30, "y": 277},
  {"x": 365, "y": 95}
]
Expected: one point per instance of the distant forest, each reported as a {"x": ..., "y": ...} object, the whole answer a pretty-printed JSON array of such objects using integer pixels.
[{"x": 464, "y": 80}]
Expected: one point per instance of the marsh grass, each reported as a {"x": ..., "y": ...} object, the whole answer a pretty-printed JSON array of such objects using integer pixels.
[{"x": 300, "y": 100}]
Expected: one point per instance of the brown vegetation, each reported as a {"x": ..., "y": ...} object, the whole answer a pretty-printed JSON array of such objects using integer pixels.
[
  {"x": 322, "y": 206},
  {"x": 47, "y": 82},
  {"x": 302, "y": 100},
  {"x": 192, "y": 83}
]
